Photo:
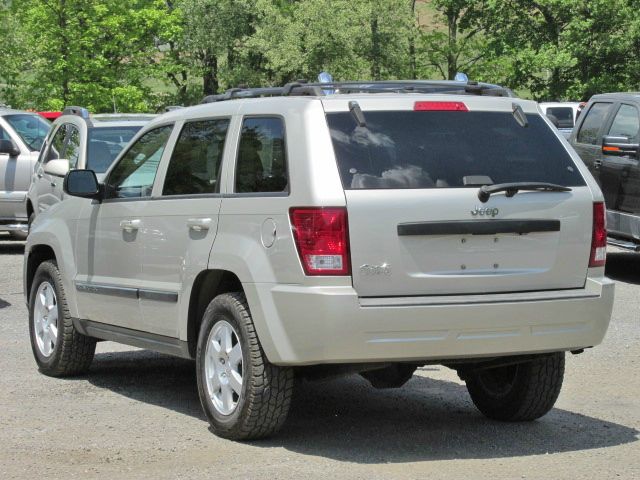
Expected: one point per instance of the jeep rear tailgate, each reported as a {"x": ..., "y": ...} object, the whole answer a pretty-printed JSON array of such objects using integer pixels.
[{"x": 416, "y": 224}]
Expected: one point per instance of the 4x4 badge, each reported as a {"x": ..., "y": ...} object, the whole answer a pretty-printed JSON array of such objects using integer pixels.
[{"x": 489, "y": 212}]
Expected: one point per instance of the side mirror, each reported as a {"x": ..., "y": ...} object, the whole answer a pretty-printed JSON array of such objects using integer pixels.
[
  {"x": 82, "y": 183},
  {"x": 7, "y": 147},
  {"x": 58, "y": 167},
  {"x": 619, "y": 146}
]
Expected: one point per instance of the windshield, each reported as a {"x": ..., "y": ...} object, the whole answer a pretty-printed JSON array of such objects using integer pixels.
[
  {"x": 444, "y": 149},
  {"x": 105, "y": 144},
  {"x": 32, "y": 129}
]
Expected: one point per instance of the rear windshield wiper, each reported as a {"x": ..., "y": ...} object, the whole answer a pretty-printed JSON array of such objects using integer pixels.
[{"x": 511, "y": 189}]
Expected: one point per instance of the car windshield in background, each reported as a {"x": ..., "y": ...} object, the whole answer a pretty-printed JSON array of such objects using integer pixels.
[
  {"x": 32, "y": 129},
  {"x": 105, "y": 143},
  {"x": 443, "y": 149},
  {"x": 563, "y": 114}
]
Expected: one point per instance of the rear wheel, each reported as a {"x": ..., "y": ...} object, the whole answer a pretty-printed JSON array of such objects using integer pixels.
[
  {"x": 521, "y": 392},
  {"x": 59, "y": 349},
  {"x": 242, "y": 394}
]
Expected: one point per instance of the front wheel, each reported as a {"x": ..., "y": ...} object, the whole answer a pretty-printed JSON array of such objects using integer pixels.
[
  {"x": 59, "y": 349},
  {"x": 243, "y": 395},
  {"x": 521, "y": 392}
]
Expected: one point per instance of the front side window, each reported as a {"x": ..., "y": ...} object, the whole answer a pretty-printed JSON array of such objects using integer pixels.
[
  {"x": 592, "y": 123},
  {"x": 31, "y": 128},
  {"x": 194, "y": 167},
  {"x": 625, "y": 123},
  {"x": 104, "y": 145},
  {"x": 72, "y": 150},
  {"x": 262, "y": 164},
  {"x": 135, "y": 173},
  {"x": 56, "y": 147},
  {"x": 444, "y": 149}
]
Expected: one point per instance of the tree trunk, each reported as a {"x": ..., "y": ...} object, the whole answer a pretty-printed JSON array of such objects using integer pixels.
[
  {"x": 210, "y": 82},
  {"x": 452, "y": 64},
  {"x": 375, "y": 50}
]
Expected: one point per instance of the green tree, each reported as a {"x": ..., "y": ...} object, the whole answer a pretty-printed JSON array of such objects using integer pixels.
[{"x": 563, "y": 48}]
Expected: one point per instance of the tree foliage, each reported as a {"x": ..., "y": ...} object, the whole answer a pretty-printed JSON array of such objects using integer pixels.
[{"x": 139, "y": 55}]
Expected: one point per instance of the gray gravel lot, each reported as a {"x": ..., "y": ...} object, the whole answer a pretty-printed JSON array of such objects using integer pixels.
[{"x": 136, "y": 415}]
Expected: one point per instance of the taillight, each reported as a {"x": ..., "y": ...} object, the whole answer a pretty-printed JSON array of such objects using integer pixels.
[
  {"x": 599, "y": 236},
  {"x": 440, "y": 107},
  {"x": 322, "y": 240}
]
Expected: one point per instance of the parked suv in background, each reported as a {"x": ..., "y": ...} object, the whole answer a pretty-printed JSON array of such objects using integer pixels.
[
  {"x": 331, "y": 228},
  {"x": 21, "y": 136},
  {"x": 606, "y": 138},
  {"x": 78, "y": 141}
]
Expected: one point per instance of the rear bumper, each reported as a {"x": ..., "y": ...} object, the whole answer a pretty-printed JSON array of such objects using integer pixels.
[{"x": 313, "y": 325}]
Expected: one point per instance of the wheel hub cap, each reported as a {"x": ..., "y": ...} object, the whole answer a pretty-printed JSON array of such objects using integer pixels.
[
  {"x": 223, "y": 368},
  {"x": 45, "y": 319}
]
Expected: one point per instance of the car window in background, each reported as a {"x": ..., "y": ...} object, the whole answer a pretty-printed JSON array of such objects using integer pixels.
[
  {"x": 626, "y": 123},
  {"x": 135, "y": 173},
  {"x": 564, "y": 116},
  {"x": 72, "y": 150},
  {"x": 104, "y": 145},
  {"x": 32, "y": 129},
  {"x": 261, "y": 165},
  {"x": 57, "y": 144},
  {"x": 195, "y": 163},
  {"x": 592, "y": 123},
  {"x": 406, "y": 149},
  {"x": 4, "y": 135}
]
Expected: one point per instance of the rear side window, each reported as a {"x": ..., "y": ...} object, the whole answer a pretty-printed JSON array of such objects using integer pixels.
[
  {"x": 625, "y": 123},
  {"x": 592, "y": 123},
  {"x": 444, "y": 149},
  {"x": 262, "y": 162},
  {"x": 195, "y": 163},
  {"x": 563, "y": 114}
]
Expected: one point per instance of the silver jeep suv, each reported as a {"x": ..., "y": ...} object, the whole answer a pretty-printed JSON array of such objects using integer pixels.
[{"x": 315, "y": 229}]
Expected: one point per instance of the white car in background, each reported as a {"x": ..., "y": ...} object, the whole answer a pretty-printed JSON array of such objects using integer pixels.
[{"x": 565, "y": 112}]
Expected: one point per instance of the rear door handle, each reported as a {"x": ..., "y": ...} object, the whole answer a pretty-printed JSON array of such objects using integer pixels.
[
  {"x": 130, "y": 225},
  {"x": 199, "y": 224},
  {"x": 39, "y": 175}
]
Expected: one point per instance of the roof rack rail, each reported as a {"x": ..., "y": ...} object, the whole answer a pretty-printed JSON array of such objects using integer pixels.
[{"x": 388, "y": 86}]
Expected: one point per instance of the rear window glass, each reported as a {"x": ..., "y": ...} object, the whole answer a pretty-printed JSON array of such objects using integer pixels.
[
  {"x": 563, "y": 114},
  {"x": 406, "y": 149},
  {"x": 105, "y": 143}
]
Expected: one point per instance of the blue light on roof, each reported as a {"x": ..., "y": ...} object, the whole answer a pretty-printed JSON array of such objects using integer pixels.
[{"x": 461, "y": 77}]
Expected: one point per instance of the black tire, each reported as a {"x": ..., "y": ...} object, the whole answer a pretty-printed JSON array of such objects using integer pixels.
[
  {"x": 518, "y": 393},
  {"x": 263, "y": 404},
  {"x": 393, "y": 376},
  {"x": 73, "y": 352}
]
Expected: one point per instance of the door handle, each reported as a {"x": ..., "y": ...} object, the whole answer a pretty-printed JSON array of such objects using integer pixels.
[
  {"x": 130, "y": 225},
  {"x": 53, "y": 184},
  {"x": 39, "y": 175},
  {"x": 597, "y": 164},
  {"x": 199, "y": 224}
]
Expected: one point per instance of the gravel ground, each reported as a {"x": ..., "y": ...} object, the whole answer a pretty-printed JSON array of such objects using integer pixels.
[{"x": 136, "y": 415}]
